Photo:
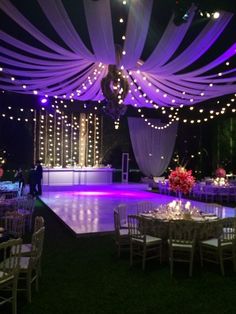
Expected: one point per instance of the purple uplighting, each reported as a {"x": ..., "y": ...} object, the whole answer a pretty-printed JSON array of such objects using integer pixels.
[{"x": 109, "y": 194}]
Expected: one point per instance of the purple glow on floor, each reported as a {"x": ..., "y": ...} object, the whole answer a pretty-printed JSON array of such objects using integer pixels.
[
  {"x": 89, "y": 209},
  {"x": 99, "y": 193},
  {"x": 91, "y": 193}
]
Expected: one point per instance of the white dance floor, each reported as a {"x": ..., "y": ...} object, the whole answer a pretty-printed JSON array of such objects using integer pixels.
[{"x": 88, "y": 209}]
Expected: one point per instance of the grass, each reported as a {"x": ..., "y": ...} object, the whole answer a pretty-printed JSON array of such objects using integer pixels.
[{"x": 84, "y": 275}]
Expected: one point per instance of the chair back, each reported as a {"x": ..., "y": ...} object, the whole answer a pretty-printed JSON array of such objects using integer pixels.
[
  {"x": 229, "y": 230},
  {"x": 212, "y": 209},
  {"x": 10, "y": 254},
  {"x": 2, "y": 196},
  {"x": 118, "y": 231},
  {"x": 232, "y": 193},
  {"x": 116, "y": 221},
  {"x": 10, "y": 195},
  {"x": 136, "y": 227},
  {"x": 209, "y": 229},
  {"x": 38, "y": 223},
  {"x": 122, "y": 211},
  {"x": 37, "y": 246},
  {"x": 182, "y": 231},
  {"x": 156, "y": 227},
  {"x": 26, "y": 203},
  {"x": 14, "y": 223},
  {"x": 144, "y": 207},
  {"x": 210, "y": 190}
]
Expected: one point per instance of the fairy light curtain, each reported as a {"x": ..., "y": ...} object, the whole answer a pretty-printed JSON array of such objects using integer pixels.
[
  {"x": 152, "y": 150},
  {"x": 61, "y": 138},
  {"x": 73, "y": 71},
  {"x": 67, "y": 140}
]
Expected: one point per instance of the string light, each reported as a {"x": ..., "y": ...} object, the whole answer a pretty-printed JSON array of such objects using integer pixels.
[
  {"x": 90, "y": 146},
  {"x": 41, "y": 148},
  {"x": 211, "y": 114},
  {"x": 81, "y": 140}
]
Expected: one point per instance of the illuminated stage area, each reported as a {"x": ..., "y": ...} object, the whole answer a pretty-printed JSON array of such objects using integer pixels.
[{"x": 88, "y": 209}]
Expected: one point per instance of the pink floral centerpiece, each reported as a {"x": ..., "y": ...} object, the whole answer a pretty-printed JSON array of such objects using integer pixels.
[
  {"x": 220, "y": 173},
  {"x": 181, "y": 180}
]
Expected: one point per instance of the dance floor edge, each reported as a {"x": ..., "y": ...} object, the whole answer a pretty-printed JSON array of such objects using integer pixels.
[{"x": 88, "y": 209}]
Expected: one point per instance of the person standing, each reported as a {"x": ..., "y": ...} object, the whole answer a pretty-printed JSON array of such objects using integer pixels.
[
  {"x": 39, "y": 177},
  {"x": 32, "y": 180},
  {"x": 1, "y": 171},
  {"x": 18, "y": 177}
]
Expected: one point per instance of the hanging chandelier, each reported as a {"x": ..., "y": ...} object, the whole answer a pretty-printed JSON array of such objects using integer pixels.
[{"x": 115, "y": 88}]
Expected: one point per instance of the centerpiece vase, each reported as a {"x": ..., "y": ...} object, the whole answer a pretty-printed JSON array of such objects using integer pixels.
[{"x": 179, "y": 196}]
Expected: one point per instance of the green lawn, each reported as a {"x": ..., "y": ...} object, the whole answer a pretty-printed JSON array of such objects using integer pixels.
[{"x": 85, "y": 276}]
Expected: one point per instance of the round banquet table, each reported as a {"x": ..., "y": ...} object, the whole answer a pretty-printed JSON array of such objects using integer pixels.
[{"x": 160, "y": 227}]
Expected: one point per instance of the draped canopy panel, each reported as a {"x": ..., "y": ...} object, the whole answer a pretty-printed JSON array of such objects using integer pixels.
[
  {"x": 153, "y": 150},
  {"x": 169, "y": 76}
]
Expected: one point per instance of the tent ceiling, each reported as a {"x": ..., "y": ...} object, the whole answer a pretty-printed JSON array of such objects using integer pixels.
[{"x": 69, "y": 67}]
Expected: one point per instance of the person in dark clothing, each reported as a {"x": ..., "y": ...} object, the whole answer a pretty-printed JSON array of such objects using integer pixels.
[
  {"x": 39, "y": 177},
  {"x": 32, "y": 181},
  {"x": 19, "y": 177},
  {"x": 1, "y": 171}
]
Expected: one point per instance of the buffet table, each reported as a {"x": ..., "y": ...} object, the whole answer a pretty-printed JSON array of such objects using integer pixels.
[{"x": 76, "y": 176}]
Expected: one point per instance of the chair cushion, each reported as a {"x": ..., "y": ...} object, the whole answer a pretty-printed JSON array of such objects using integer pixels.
[
  {"x": 23, "y": 211},
  {"x": 2, "y": 274},
  {"x": 2, "y": 281},
  {"x": 214, "y": 242},
  {"x": 124, "y": 232},
  {"x": 26, "y": 248},
  {"x": 181, "y": 245},
  {"x": 24, "y": 263},
  {"x": 149, "y": 240}
]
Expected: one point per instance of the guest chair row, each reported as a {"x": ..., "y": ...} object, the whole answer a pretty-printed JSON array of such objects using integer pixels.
[
  {"x": 20, "y": 265},
  {"x": 215, "y": 240},
  {"x": 17, "y": 221}
]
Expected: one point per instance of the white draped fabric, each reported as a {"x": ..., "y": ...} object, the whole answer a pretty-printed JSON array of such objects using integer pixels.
[
  {"x": 61, "y": 22},
  {"x": 31, "y": 29},
  {"x": 169, "y": 43},
  {"x": 153, "y": 150},
  {"x": 73, "y": 71},
  {"x": 103, "y": 36},
  {"x": 199, "y": 46},
  {"x": 136, "y": 32}
]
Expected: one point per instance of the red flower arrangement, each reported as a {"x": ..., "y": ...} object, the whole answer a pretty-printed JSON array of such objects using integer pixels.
[
  {"x": 220, "y": 173},
  {"x": 181, "y": 180}
]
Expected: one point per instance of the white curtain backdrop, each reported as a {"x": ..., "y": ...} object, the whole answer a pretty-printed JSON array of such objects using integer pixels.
[{"x": 152, "y": 148}]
